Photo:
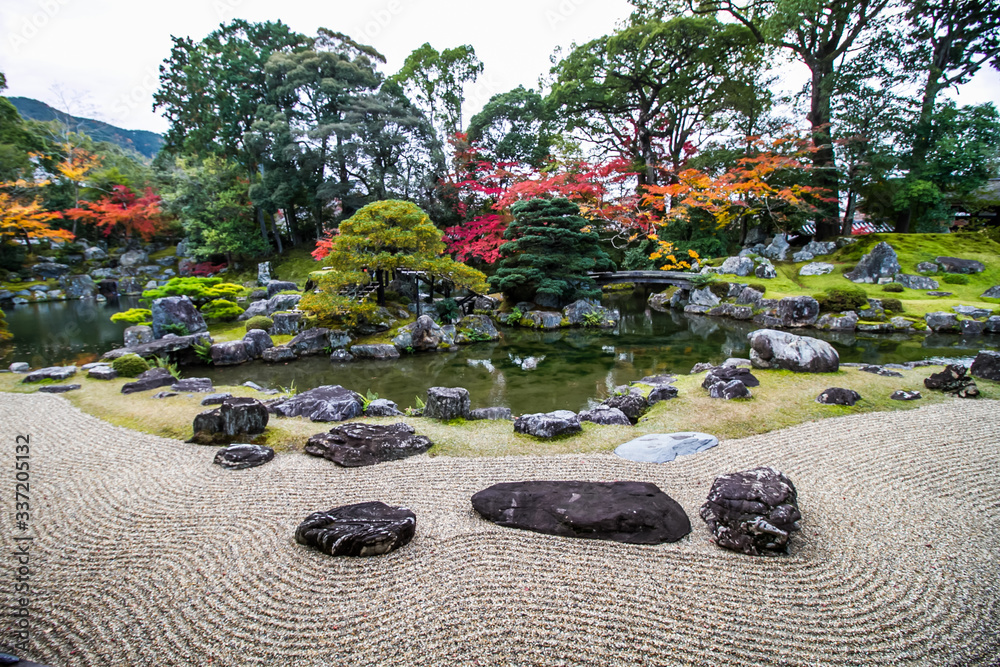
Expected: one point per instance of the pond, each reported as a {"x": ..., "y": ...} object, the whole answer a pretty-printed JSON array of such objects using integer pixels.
[{"x": 527, "y": 371}]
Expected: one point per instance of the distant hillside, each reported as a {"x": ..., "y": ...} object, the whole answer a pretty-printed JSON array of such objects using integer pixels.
[{"x": 141, "y": 141}]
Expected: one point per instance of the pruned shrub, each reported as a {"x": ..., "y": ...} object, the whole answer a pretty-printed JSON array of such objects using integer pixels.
[
  {"x": 839, "y": 299},
  {"x": 221, "y": 309},
  {"x": 956, "y": 279},
  {"x": 892, "y": 287},
  {"x": 260, "y": 322},
  {"x": 130, "y": 365},
  {"x": 199, "y": 290},
  {"x": 892, "y": 305},
  {"x": 134, "y": 316},
  {"x": 720, "y": 289}
]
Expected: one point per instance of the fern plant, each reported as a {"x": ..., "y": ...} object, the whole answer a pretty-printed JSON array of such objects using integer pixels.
[{"x": 203, "y": 350}]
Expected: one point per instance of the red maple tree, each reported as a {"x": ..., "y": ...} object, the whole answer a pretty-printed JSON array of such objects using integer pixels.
[{"x": 122, "y": 211}]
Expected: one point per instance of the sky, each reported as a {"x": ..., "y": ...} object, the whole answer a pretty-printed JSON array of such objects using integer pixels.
[{"x": 100, "y": 58}]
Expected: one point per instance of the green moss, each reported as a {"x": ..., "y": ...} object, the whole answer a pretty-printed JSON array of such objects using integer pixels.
[
  {"x": 839, "y": 299},
  {"x": 134, "y": 316},
  {"x": 259, "y": 322},
  {"x": 893, "y": 305},
  {"x": 129, "y": 365},
  {"x": 893, "y": 287},
  {"x": 956, "y": 279}
]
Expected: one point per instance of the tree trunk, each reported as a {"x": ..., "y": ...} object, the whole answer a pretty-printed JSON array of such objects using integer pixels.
[
  {"x": 824, "y": 159},
  {"x": 921, "y": 139},
  {"x": 847, "y": 226},
  {"x": 277, "y": 236},
  {"x": 380, "y": 275},
  {"x": 263, "y": 225}
]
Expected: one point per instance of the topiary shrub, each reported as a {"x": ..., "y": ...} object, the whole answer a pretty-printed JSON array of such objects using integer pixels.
[
  {"x": 839, "y": 299},
  {"x": 893, "y": 305},
  {"x": 260, "y": 322},
  {"x": 134, "y": 316},
  {"x": 893, "y": 287},
  {"x": 199, "y": 290},
  {"x": 221, "y": 309},
  {"x": 130, "y": 365},
  {"x": 956, "y": 279},
  {"x": 720, "y": 289}
]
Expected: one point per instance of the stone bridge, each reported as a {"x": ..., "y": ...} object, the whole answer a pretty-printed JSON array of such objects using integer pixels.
[{"x": 678, "y": 278}]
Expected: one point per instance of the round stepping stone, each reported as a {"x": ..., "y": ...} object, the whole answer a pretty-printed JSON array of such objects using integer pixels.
[
  {"x": 237, "y": 457},
  {"x": 664, "y": 447},
  {"x": 364, "y": 529}
]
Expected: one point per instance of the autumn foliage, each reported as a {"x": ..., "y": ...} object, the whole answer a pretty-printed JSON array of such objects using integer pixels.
[
  {"x": 27, "y": 221},
  {"x": 123, "y": 211}
]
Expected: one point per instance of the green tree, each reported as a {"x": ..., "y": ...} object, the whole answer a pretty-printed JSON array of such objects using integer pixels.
[
  {"x": 644, "y": 91},
  {"x": 515, "y": 126},
  {"x": 388, "y": 235},
  {"x": 549, "y": 251},
  {"x": 436, "y": 81}
]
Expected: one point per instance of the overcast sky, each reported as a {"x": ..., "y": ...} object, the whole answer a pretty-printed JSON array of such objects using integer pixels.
[{"x": 99, "y": 58}]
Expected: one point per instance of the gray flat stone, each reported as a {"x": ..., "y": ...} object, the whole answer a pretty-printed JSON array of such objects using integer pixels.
[{"x": 664, "y": 447}]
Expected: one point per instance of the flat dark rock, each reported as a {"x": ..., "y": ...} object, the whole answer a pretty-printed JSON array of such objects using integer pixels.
[
  {"x": 216, "y": 399},
  {"x": 235, "y": 416},
  {"x": 729, "y": 390},
  {"x": 939, "y": 294},
  {"x": 328, "y": 403},
  {"x": 631, "y": 512},
  {"x": 358, "y": 444},
  {"x": 879, "y": 370},
  {"x": 727, "y": 373},
  {"x": 838, "y": 396},
  {"x": 986, "y": 365},
  {"x": 58, "y": 388},
  {"x": 151, "y": 379},
  {"x": 364, "y": 529},
  {"x": 953, "y": 380},
  {"x": 958, "y": 265},
  {"x": 606, "y": 416},
  {"x": 492, "y": 413},
  {"x": 548, "y": 424},
  {"x": 753, "y": 511},
  {"x": 238, "y": 457},
  {"x": 50, "y": 373}
]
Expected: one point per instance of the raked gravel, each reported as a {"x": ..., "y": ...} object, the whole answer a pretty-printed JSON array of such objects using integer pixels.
[{"x": 147, "y": 554}]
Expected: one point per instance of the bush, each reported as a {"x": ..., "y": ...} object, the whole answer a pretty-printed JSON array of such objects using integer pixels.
[
  {"x": 447, "y": 310},
  {"x": 839, "y": 299},
  {"x": 956, "y": 279},
  {"x": 134, "y": 316},
  {"x": 892, "y": 305},
  {"x": 720, "y": 289},
  {"x": 221, "y": 309},
  {"x": 893, "y": 287},
  {"x": 130, "y": 365},
  {"x": 178, "y": 329},
  {"x": 199, "y": 290},
  {"x": 260, "y": 322}
]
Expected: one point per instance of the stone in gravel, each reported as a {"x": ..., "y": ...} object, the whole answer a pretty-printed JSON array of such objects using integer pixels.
[
  {"x": 665, "y": 447},
  {"x": 816, "y": 269},
  {"x": 446, "y": 403},
  {"x": 880, "y": 265},
  {"x": 986, "y": 365},
  {"x": 838, "y": 396},
  {"x": 992, "y": 293},
  {"x": 275, "y": 286},
  {"x": 728, "y": 373},
  {"x": 630, "y": 512},
  {"x": 58, "y": 388},
  {"x": 176, "y": 310},
  {"x": 278, "y": 353},
  {"x": 236, "y": 416},
  {"x": 328, "y": 403},
  {"x": 548, "y": 424},
  {"x": 879, "y": 370},
  {"x": 495, "y": 413},
  {"x": 238, "y": 457},
  {"x": 378, "y": 351},
  {"x": 216, "y": 399},
  {"x": 382, "y": 407},
  {"x": 19, "y": 367},
  {"x": 729, "y": 390},
  {"x": 102, "y": 373},
  {"x": 903, "y": 395},
  {"x": 916, "y": 282},
  {"x": 49, "y": 373},
  {"x": 941, "y": 321},
  {"x": 956, "y": 265},
  {"x": 255, "y": 342},
  {"x": 364, "y": 529},
  {"x": 229, "y": 353},
  {"x": 953, "y": 380},
  {"x": 164, "y": 394},
  {"x": 342, "y": 356},
  {"x": 631, "y": 403},
  {"x": 777, "y": 349},
  {"x": 753, "y": 511},
  {"x": 358, "y": 444},
  {"x": 196, "y": 385},
  {"x": 151, "y": 379},
  {"x": 605, "y": 415}
]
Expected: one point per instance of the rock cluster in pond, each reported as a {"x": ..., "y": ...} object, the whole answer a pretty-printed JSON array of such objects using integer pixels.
[
  {"x": 364, "y": 529},
  {"x": 176, "y": 310},
  {"x": 255, "y": 342},
  {"x": 238, "y": 457},
  {"x": 878, "y": 266},
  {"x": 235, "y": 416},
  {"x": 903, "y": 395},
  {"x": 753, "y": 511},
  {"x": 986, "y": 365},
  {"x": 590, "y": 313},
  {"x": 277, "y": 354},
  {"x": 358, "y": 444},
  {"x": 151, "y": 379},
  {"x": 548, "y": 424},
  {"x": 447, "y": 403},
  {"x": 665, "y": 447},
  {"x": 801, "y": 354},
  {"x": 838, "y": 396},
  {"x": 310, "y": 342},
  {"x": 953, "y": 380},
  {"x": 630, "y": 512},
  {"x": 48, "y": 373},
  {"x": 328, "y": 403}
]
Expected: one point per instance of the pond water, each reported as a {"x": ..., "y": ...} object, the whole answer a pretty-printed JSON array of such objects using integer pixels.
[{"x": 527, "y": 371}]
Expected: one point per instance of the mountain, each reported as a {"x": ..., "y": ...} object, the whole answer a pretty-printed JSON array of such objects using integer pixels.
[{"x": 141, "y": 141}]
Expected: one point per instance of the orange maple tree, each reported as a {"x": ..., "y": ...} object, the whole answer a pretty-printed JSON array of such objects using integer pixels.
[{"x": 26, "y": 221}]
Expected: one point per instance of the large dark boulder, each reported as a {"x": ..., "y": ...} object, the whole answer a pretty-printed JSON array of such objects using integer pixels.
[
  {"x": 953, "y": 380},
  {"x": 942, "y": 322},
  {"x": 50, "y": 373},
  {"x": 878, "y": 266},
  {"x": 229, "y": 353},
  {"x": 986, "y": 365},
  {"x": 425, "y": 334},
  {"x": 753, "y": 511},
  {"x": 729, "y": 390},
  {"x": 665, "y": 447},
  {"x": 359, "y": 444},
  {"x": 278, "y": 353},
  {"x": 606, "y": 416},
  {"x": 956, "y": 265},
  {"x": 236, "y": 416},
  {"x": 151, "y": 379},
  {"x": 838, "y": 396},
  {"x": 176, "y": 310},
  {"x": 310, "y": 342},
  {"x": 798, "y": 311},
  {"x": 275, "y": 286},
  {"x": 548, "y": 424},
  {"x": 446, "y": 403},
  {"x": 238, "y": 457},
  {"x": 328, "y": 403},
  {"x": 364, "y": 529},
  {"x": 379, "y": 351},
  {"x": 728, "y": 373},
  {"x": 255, "y": 342},
  {"x": 631, "y": 403},
  {"x": 778, "y": 349},
  {"x": 139, "y": 334},
  {"x": 49, "y": 270},
  {"x": 631, "y": 512}
]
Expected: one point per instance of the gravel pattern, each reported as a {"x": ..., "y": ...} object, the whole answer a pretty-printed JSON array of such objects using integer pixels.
[{"x": 147, "y": 554}]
